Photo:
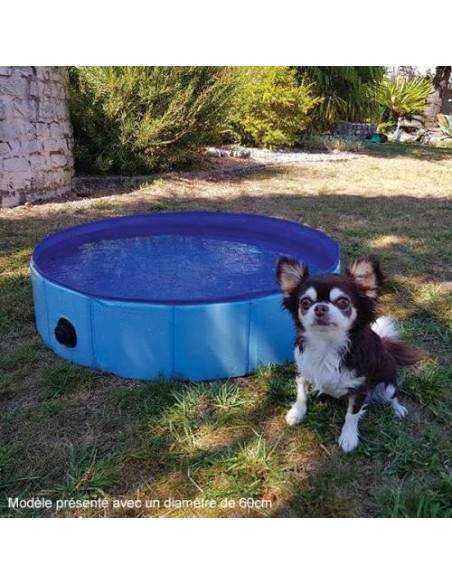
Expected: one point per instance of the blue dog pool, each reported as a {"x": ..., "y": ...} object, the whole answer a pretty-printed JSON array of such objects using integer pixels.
[{"x": 189, "y": 295}]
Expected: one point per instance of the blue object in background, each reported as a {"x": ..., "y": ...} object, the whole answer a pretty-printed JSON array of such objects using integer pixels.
[{"x": 189, "y": 295}]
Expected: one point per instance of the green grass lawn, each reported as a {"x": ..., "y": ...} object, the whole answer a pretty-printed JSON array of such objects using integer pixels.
[{"x": 67, "y": 431}]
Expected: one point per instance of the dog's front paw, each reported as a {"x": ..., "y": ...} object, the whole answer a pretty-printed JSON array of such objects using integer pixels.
[
  {"x": 295, "y": 414},
  {"x": 348, "y": 440},
  {"x": 399, "y": 410}
]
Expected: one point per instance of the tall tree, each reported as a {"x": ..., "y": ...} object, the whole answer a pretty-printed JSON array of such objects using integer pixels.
[
  {"x": 441, "y": 81},
  {"x": 437, "y": 100}
]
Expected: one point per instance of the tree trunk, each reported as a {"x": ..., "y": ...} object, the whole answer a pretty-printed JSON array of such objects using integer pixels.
[
  {"x": 441, "y": 82},
  {"x": 437, "y": 99}
]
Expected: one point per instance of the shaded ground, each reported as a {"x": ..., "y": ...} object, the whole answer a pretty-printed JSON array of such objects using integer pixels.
[{"x": 66, "y": 431}]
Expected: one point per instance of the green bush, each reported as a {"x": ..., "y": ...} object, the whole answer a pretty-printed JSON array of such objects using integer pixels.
[
  {"x": 141, "y": 119},
  {"x": 270, "y": 108},
  {"x": 386, "y": 127},
  {"x": 402, "y": 97},
  {"x": 346, "y": 94}
]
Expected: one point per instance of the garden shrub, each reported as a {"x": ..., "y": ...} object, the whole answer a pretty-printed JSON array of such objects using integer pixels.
[
  {"x": 386, "y": 127},
  {"x": 401, "y": 97},
  {"x": 141, "y": 119},
  {"x": 346, "y": 94},
  {"x": 270, "y": 107}
]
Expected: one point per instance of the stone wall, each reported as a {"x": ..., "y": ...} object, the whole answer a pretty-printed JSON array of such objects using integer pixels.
[
  {"x": 36, "y": 160},
  {"x": 353, "y": 130}
]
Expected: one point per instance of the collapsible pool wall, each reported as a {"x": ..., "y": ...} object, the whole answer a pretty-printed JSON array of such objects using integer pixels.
[
  {"x": 36, "y": 141},
  {"x": 147, "y": 341},
  {"x": 149, "y": 338}
]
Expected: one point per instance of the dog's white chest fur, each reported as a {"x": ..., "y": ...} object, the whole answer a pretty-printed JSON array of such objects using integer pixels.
[{"x": 320, "y": 364}]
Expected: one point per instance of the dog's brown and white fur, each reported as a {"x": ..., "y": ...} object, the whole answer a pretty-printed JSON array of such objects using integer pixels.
[{"x": 341, "y": 349}]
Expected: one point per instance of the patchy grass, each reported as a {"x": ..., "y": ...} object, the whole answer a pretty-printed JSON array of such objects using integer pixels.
[
  {"x": 65, "y": 377},
  {"x": 412, "y": 498},
  {"x": 387, "y": 150},
  {"x": 70, "y": 432},
  {"x": 84, "y": 476}
]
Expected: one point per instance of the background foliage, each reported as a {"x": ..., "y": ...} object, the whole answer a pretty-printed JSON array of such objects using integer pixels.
[
  {"x": 139, "y": 119},
  {"x": 270, "y": 106},
  {"x": 134, "y": 120},
  {"x": 346, "y": 93},
  {"x": 402, "y": 97}
]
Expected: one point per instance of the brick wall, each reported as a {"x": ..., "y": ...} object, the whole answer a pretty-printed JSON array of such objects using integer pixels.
[{"x": 36, "y": 142}]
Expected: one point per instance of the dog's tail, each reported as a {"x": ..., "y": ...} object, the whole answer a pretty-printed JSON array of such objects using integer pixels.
[
  {"x": 386, "y": 328},
  {"x": 403, "y": 354}
]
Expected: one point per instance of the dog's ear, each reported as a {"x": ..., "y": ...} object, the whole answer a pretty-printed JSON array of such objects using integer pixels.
[
  {"x": 366, "y": 273},
  {"x": 290, "y": 274}
]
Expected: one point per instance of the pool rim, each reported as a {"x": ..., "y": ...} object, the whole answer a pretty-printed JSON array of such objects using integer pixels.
[{"x": 46, "y": 241}]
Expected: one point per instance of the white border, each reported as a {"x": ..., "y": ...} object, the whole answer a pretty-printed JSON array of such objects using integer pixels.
[
  {"x": 242, "y": 550},
  {"x": 228, "y": 32},
  {"x": 224, "y": 32}
]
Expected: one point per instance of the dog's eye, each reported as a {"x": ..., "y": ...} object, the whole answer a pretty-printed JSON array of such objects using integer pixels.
[
  {"x": 343, "y": 303},
  {"x": 305, "y": 303}
]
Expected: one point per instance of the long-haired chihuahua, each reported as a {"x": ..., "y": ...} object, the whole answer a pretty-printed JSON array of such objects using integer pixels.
[{"x": 341, "y": 348}]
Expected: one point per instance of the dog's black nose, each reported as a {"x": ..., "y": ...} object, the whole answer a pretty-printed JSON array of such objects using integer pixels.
[{"x": 321, "y": 309}]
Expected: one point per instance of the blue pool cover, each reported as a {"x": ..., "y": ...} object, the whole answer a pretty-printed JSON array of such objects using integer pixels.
[{"x": 188, "y": 294}]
